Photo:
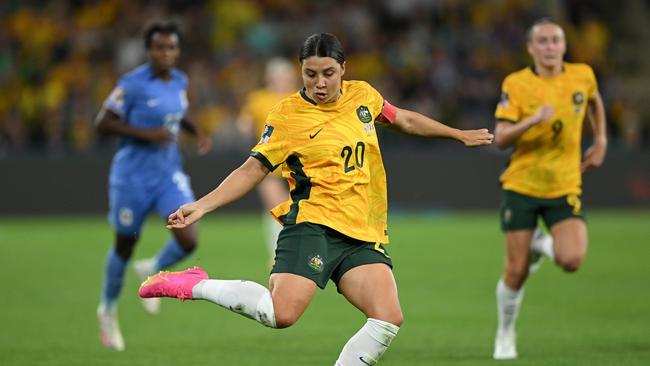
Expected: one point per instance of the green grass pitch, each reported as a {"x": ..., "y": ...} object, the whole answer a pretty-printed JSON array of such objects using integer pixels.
[{"x": 446, "y": 267}]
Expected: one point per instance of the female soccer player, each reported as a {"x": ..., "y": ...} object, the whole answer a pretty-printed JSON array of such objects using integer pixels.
[
  {"x": 280, "y": 83},
  {"x": 541, "y": 113},
  {"x": 147, "y": 110},
  {"x": 335, "y": 222}
]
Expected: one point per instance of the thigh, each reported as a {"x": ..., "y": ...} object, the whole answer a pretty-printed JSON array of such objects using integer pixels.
[
  {"x": 173, "y": 194},
  {"x": 273, "y": 191},
  {"x": 518, "y": 211},
  {"x": 128, "y": 208},
  {"x": 372, "y": 289},
  {"x": 518, "y": 247},
  {"x": 291, "y": 296},
  {"x": 569, "y": 240}
]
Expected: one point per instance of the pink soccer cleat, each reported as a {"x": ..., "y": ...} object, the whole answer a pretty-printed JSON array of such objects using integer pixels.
[{"x": 173, "y": 284}]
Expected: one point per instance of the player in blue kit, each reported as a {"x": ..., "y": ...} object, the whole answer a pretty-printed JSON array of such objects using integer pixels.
[{"x": 147, "y": 111}]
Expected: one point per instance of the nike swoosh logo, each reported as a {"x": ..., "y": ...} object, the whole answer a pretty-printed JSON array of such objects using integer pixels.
[
  {"x": 364, "y": 361},
  {"x": 314, "y": 135}
]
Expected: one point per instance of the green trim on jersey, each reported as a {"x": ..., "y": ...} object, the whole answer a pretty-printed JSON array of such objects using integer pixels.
[
  {"x": 301, "y": 190},
  {"x": 259, "y": 156}
]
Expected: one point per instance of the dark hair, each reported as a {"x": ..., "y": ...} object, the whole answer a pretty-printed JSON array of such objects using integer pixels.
[
  {"x": 540, "y": 21},
  {"x": 167, "y": 28},
  {"x": 322, "y": 45}
]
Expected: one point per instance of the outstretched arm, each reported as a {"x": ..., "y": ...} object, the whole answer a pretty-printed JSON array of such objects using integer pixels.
[
  {"x": 595, "y": 154},
  {"x": 415, "y": 123},
  {"x": 235, "y": 186}
]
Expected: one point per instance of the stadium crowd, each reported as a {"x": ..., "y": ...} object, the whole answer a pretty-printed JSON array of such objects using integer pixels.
[{"x": 59, "y": 60}]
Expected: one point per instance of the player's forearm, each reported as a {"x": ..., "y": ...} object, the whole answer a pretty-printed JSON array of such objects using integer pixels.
[
  {"x": 596, "y": 113},
  {"x": 507, "y": 133},
  {"x": 417, "y": 124},
  {"x": 241, "y": 181},
  {"x": 109, "y": 123}
]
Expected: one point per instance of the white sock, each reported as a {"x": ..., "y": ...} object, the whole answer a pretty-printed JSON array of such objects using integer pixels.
[
  {"x": 272, "y": 229},
  {"x": 508, "y": 302},
  {"x": 543, "y": 243},
  {"x": 247, "y": 298},
  {"x": 368, "y": 345}
]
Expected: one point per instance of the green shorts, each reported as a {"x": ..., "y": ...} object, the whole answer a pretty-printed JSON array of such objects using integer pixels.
[
  {"x": 520, "y": 212},
  {"x": 320, "y": 253}
]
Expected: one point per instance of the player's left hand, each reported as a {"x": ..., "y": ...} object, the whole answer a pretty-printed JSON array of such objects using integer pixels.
[
  {"x": 204, "y": 144},
  {"x": 594, "y": 156},
  {"x": 473, "y": 138}
]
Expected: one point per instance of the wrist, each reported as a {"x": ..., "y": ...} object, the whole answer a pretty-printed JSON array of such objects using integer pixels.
[{"x": 456, "y": 134}]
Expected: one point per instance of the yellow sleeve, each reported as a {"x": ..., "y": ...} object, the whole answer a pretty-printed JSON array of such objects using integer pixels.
[
  {"x": 592, "y": 83},
  {"x": 508, "y": 108},
  {"x": 376, "y": 100},
  {"x": 274, "y": 145}
]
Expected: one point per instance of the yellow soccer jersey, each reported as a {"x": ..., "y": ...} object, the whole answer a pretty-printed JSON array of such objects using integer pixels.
[
  {"x": 258, "y": 105},
  {"x": 545, "y": 162},
  {"x": 332, "y": 161}
]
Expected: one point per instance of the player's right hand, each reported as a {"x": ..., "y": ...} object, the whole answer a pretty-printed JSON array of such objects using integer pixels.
[
  {"x": 544, "y": 113},
  {"x": 185, "y": 216}
]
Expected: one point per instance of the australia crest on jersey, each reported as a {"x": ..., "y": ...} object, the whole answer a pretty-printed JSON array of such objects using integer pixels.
[
  {"x": 266, "y": 134},
  {"x": 364, "y": 114},
  {"x": 578, "y": 98}
]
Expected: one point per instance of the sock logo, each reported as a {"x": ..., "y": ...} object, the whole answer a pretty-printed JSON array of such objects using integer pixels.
[{"x": 364, "y": 361}]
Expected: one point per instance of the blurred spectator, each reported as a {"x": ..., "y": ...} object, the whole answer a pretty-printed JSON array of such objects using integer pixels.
[{"x": 58, "y": 59}]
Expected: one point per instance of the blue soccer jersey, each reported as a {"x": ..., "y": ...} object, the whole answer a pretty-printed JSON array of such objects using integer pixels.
[
  {"x": 142, "y": 100},
  {"x": 146, "y": 176}
]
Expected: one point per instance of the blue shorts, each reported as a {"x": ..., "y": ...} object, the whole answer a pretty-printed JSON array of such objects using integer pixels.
[{"x": 129, "y": 205}]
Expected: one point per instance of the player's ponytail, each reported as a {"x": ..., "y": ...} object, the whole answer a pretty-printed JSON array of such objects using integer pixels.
[{"x": 322, "y": 45}]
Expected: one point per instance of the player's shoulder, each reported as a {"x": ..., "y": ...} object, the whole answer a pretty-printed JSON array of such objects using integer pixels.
[
  {"x": 578, "y": 68},
  {"x": 358, "y": 85},
  {"x": 286, "y": 106},
  {"x": 519, "y": 76},
  {"x": 140, "y": 73}
]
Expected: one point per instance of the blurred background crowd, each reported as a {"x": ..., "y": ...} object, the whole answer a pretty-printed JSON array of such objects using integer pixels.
[{"x": 445, "y": 58}]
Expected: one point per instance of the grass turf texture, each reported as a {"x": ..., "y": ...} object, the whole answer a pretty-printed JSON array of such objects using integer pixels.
[{"x": 446, "y": 267}]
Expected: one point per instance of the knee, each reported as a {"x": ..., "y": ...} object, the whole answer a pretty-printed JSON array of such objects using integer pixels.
[
  {"x": 188, "y": 244},
  {"x": 124, "y": 246},
  {"x": 570, "y": 264},
  {"x": 284, "y": 320},
  {"x": 516, "y": 275},
  {"x": 396, "y": 319}
]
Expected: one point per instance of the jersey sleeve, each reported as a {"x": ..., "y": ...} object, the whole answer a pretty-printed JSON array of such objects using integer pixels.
[
  {"x": 592, "y": 83},
  {"x": 508, "y": 108},
  {"x": 120, "y": 99},
  {"x": 384, "y": 111},
  {"x": 274, "y": 145}
]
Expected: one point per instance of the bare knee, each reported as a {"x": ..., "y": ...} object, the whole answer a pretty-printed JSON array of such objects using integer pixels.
[
  {"x": 570, "y": 264},
  {"x": 189, "y": 244},
  {"x": 516, "y": 275},
  {"x": 397, "y": 318},
  {"x": 285, "y": 320}
]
